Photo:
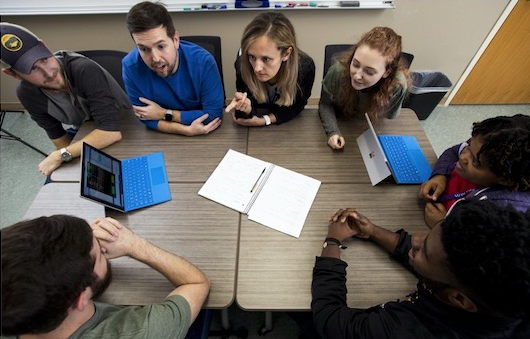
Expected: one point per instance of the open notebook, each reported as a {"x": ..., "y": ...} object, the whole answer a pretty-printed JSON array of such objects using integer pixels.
[{"x": 270, "y": 195}]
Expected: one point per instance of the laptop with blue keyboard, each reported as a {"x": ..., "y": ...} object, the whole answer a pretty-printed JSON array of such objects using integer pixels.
[
  {"x": 397, "y": 156},
  {"x": 124, "y": 185}
]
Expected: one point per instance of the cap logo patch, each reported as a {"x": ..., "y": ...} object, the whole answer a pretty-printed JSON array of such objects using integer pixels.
[{"x": 11, "y": 42}]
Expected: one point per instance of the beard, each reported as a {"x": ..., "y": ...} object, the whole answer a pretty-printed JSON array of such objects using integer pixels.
[
  {"x": 55, "y": 83},
  {"x": 100, "y": 285}
]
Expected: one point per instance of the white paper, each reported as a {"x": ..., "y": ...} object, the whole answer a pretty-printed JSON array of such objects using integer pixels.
[
  {"x": 284, "y": 201},
  {"x": 232, "y": 181},
  {"x": 282, "y": 198}
]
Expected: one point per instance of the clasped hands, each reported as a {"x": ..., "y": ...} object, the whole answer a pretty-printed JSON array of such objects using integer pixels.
[
  {"x": 115, "y": 239},
  {"x": 347, "y": 223}
]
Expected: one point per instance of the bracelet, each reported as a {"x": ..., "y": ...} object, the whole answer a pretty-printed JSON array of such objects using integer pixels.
[{"x": 333, "y": 241}]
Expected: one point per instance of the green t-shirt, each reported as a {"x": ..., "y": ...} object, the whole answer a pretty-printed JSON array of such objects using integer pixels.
[{"x": 168, "y": 319}]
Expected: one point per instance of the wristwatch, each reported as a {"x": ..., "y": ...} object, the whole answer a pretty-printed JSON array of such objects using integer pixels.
[
  {"x": 333, "y": 241},
  {"x": 65, "y": 155},
  {"x": 169, "y": 115},
  {"x": 267, "y": 120}
]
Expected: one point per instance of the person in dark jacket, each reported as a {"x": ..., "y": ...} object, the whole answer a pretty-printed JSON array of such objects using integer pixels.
[
  {"x": 62, "y": 88},
  {"x": 473, "y": 269},
  {"x": 494, "y": 164},
  {"x": 274, "y": 78}
]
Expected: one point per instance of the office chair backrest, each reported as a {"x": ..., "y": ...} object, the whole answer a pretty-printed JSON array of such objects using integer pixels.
[
  {"x": 332, "y": 51},
  {"x": 109, "y": 60},
  {"x": 213, "y": 45},
  {"x": 330, "y": 54}
]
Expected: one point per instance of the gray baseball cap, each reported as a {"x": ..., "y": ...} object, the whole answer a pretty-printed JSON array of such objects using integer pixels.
[{"x": 21, "y": 49}]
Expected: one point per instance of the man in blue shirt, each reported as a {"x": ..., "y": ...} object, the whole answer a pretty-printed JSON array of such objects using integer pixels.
[{"x": 174, "y": 86}]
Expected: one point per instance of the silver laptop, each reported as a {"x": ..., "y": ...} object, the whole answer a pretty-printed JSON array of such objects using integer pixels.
[
  {"x": 393, "y": 156},
  {"x": 124, "y": 185}
]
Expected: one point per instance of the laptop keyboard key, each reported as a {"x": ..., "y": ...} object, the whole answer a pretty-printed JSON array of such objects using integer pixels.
[{"x": 136, "y": 181}]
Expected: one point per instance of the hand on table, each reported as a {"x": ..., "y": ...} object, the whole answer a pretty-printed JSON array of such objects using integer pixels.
[
  {"x": 336, "y": 141},
  {"x": 346, "y": 223},
  {"x": 151, "y": 110},
  {"x": 197, "y": 127},
  {"x": 255, "y": 121},
  {"x": 51, "y": 163}
]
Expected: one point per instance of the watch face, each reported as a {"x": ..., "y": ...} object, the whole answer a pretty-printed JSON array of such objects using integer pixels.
[
  {"x": 169, "y": 115},
  {"x": 66, "y": 156}
]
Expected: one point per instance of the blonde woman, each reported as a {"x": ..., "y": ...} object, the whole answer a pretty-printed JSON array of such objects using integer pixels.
[{"x": 274, "y": 77}]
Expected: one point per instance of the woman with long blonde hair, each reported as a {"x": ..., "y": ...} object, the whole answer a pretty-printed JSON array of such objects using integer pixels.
[{"x": 274, "y": 78}]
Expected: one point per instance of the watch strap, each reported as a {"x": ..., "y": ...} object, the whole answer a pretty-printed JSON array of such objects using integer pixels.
[
  {"x": 267, "y": 120},
  {"x": 333, "y": 241}
]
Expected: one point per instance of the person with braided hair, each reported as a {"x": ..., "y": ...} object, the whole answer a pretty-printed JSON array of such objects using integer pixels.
[{"x": 494, "y": 164}]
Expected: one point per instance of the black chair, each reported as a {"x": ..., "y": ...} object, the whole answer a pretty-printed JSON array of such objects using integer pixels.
[
  {"x": 332, "y": 51},
  {"x": 213, "y": 45},
  {"x": 109, "y": 60},
  {"x": 330, "y": 54}
]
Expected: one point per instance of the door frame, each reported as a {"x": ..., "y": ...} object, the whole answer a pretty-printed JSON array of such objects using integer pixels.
[{"x": 481, "y": 50}]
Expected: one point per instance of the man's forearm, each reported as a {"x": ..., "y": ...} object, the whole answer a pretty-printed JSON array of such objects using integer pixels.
[
  {"x": 177, "y": 270},
  {"x": 384, "y": 238},
  {"x": 190, "y": 282},
  {"x": 172, "y": 127},
  {"x": 97, "y": 138},
  {"x": 61, "y": 142}
]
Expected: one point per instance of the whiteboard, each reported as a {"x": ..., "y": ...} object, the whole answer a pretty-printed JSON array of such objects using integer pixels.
[{"x": 53, "y": 7}]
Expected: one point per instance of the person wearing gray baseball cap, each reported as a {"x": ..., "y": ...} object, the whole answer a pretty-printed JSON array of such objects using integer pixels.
[
  {"x": 62, "y": 88},
  {"x": 21, "y": 49}
]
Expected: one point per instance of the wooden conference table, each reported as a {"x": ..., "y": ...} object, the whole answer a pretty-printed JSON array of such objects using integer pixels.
[
  {"x": 188, "y": 159},
  {"x": 275, "y": 270},
  {"x": 203, "y": 232},
  {"x": 260, "y": 268}
]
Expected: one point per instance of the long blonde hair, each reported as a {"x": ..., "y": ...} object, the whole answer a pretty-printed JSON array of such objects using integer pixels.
[{"x": 280, "y": 31}]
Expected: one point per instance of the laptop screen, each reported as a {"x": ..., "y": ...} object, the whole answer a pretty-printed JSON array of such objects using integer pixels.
[{"x": 101, "y": 177}]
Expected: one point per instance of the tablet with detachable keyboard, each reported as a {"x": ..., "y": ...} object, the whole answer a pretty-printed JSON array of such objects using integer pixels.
[
  {"x": 399, "y": 156},
  {"x": 124, "y": 185}
]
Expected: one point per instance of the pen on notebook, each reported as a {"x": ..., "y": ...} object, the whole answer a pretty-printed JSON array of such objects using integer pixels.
[{"x": 256, "y": 184}]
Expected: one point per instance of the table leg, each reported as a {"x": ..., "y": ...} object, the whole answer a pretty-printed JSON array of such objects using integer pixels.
[{"x": 267, "y": 328}]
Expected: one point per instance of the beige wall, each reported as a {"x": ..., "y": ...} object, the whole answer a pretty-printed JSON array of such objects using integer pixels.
[{"x": 444, "y": 35}]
